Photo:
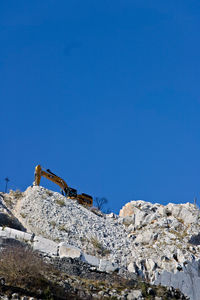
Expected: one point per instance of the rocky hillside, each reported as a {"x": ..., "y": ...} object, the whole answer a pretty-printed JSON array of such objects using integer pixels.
[
  {"x": 160, "y": 244},
  {"x": 165, "y": 244},
  {"x": 167, "y": 235},
  {"x": 53, "y": 216}
]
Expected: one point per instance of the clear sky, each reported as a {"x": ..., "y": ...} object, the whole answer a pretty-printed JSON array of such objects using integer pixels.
[{"x": 104, "y": 93}]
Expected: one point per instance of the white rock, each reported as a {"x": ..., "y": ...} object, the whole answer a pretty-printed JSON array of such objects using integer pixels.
[
  {"x": 131, "y": 268},
  {"x": 187, "y": 216},
  {"x": 66, "y": 250},
  {"x": 92, "y": 260},
  {"x": 161, "y": 210},
  {"x": 111, "y": 215},
  {"x": 139, "y": 218},
  {"x": 45, "y": 245},
  {"x": 107, "y": 266},
  {"x": 150, "y": 264},
  {"x": 145, "y": 237},
  {"x": 180, "y": 256},
  {"x": 127, "y": 210},
  {"x": 134, "y": 295},
  {"x": 15, "y": 234},
  {"x": 187, "y": 281}
]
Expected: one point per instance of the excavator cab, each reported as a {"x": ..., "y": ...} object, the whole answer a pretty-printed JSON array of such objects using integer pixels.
[{"x": 71, "y": 193}]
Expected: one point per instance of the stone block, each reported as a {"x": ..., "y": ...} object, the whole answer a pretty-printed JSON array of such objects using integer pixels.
[
  {"x": 66, "y": 250},
  {"x": 107, "y": 266},
  {"x": 17, "y": 234},
  {"x": 45, "y": 245},
  {"x": 90, "y": 259}
]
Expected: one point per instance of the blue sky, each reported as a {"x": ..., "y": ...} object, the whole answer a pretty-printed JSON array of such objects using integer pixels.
[{"x": 105, "y": 94}]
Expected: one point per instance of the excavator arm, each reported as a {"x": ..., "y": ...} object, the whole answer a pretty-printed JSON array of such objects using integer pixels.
[{"x": 71, "y": 193}]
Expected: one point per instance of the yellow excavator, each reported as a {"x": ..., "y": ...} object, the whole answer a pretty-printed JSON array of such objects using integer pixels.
[{"x": 71, "y": 193}]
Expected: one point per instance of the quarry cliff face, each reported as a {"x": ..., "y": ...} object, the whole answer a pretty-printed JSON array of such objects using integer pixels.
[
  {"x": 159, "y": 243},
  {"x": 166, "y": 243}
]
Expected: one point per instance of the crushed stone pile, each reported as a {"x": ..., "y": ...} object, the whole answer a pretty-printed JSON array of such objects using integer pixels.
[{"x": 55, "y": 217}]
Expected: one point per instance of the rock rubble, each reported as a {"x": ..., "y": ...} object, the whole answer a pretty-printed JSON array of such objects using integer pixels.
[
  {"x": 55, "y": 217},
  {"x": 152, "y": 241}
]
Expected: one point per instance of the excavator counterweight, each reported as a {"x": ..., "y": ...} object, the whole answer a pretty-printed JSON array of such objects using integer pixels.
[{"x": 69, "y": 192}]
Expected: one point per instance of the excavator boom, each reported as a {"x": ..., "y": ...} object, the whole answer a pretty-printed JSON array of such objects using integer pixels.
[{"x": 71, "y": 193}]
